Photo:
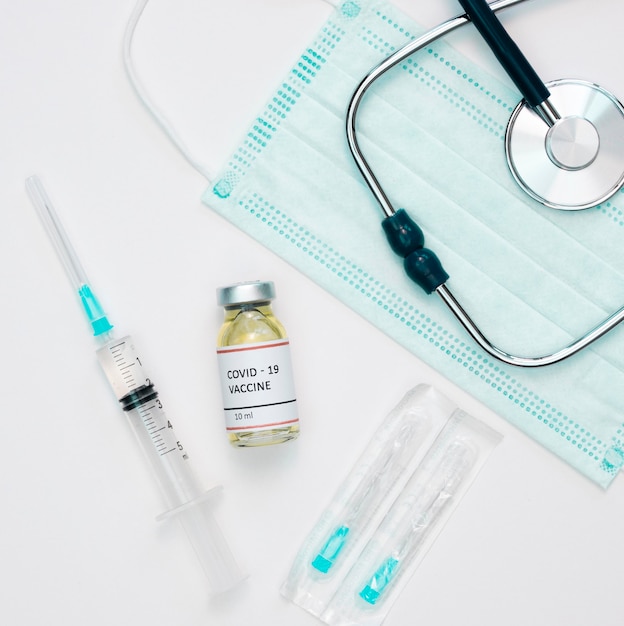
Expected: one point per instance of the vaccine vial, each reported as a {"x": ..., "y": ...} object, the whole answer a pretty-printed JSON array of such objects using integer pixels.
[{"x": 253, "y": 355}]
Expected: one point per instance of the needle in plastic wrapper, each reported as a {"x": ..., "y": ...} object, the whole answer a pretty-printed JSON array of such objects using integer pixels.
[
  {"x": 424, "y": 510},
  {"x": 168, "y": 461},
  {"x": 372, "y": 488}
]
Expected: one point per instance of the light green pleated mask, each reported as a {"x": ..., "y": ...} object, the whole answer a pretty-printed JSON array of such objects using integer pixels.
[{"x": 433, "y": 130}]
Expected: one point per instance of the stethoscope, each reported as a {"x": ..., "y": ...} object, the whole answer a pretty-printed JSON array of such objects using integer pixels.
[{"x": 564, "y": 145}]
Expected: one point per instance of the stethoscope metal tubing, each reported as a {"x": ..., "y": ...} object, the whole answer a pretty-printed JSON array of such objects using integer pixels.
[
  {"x": 429, "y": 37},
  {"x": 523, "y": 361},
  {"x": 386, "y": 206}
]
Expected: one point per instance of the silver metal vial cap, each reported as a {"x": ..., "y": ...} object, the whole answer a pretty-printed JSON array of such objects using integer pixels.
[{"x": 242, "y": 293}]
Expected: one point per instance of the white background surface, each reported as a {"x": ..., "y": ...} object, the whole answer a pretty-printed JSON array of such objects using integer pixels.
[{"x": 533, "y": 542}]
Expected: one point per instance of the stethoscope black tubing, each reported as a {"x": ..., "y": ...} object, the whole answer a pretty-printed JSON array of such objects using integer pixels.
[{"x": 513, "y": 61}]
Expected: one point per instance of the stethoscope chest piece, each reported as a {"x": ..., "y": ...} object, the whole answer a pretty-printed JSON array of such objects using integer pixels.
[{"x": 576, "y": 162}]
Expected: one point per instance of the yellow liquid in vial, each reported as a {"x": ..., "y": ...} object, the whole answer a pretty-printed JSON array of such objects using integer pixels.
[{"x": 247, "y": 324}]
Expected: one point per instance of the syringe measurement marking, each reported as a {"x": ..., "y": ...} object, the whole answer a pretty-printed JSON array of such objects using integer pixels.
[
  {"x": 152, "y": 428},
  {"x": 122, "y": 364},
  {"x": 126, "y": 373}
]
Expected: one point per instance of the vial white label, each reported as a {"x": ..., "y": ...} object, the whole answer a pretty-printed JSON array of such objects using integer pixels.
[{"x": 257, "y": 386}]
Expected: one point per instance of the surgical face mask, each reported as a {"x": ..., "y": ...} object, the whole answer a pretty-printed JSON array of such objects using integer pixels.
[{"x": 433, "y": 130}]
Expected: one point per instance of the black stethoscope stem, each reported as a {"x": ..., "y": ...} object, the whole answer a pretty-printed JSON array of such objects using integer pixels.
[
  {"x": 534, "y": 91},
  {"x": 521, "y": 72}
]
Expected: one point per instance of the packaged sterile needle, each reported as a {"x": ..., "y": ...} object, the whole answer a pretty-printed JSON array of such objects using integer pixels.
[
  {"x": 364, "y": 563},
  {"x": 355, "y": 511}
]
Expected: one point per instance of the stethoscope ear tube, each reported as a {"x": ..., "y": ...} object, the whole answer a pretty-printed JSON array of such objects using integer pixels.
[
  {"x": 525, "y": 78},
  {"x": 406, "y": 238}
]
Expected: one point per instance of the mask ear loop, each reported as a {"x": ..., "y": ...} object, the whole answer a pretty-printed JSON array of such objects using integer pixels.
[
  {"x": 144, "y": 98},
  {"x": 147, "y": 102}
]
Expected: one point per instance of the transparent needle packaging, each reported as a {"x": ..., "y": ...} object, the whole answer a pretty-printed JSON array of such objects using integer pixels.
[{"x": 389, "y": 510}]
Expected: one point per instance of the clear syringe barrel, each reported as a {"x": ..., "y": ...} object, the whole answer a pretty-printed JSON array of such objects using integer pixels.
[
  {"x": 168, "y": 461},
  {"x": 140, "y": 402}
]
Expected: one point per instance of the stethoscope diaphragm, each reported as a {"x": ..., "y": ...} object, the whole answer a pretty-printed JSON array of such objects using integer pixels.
[{"x": 576, "y": 163}]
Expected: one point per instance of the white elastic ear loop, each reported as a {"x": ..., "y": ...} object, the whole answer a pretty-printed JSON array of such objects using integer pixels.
[
  {"x": 143, "y": 96},
  {"x": 140, "y": 91}
]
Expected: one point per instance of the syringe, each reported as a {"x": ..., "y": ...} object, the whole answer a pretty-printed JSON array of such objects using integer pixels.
[{"x": 167, "y": 458}]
